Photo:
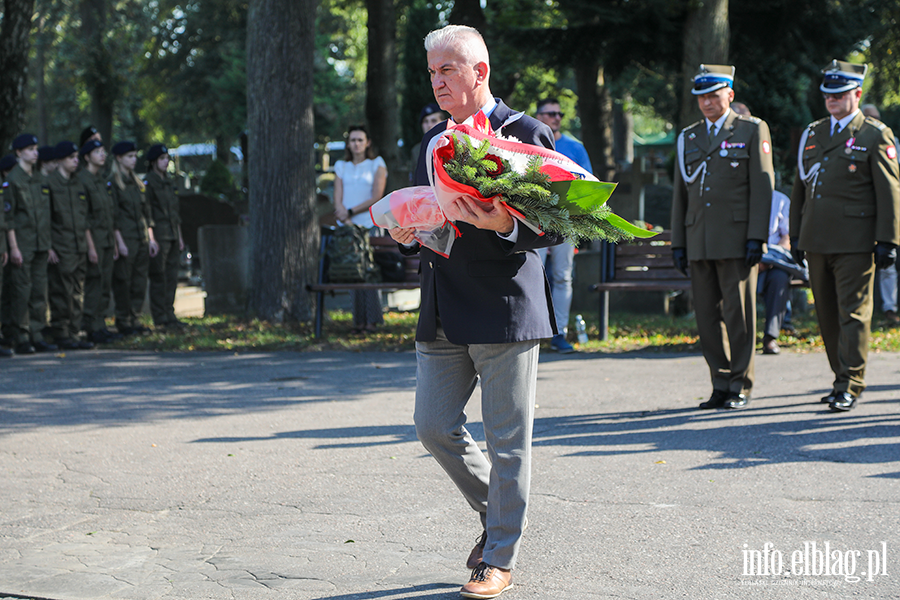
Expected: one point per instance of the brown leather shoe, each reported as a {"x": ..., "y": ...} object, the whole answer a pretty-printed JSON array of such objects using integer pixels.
[
  {"x": 477, "y": 552},
  {"x": 487, "y": 582}
]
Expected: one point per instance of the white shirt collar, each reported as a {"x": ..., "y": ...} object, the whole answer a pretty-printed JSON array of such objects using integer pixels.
[
  {"x": 843, "y": 122},
  {"x": 719, "y": 122},
  {"x": 487, "y": 109}
]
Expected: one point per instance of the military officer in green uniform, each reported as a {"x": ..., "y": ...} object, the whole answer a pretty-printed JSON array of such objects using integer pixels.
[
  {"x": 720, "y": 219},
  {"x": 28, "y": 235},
  {"x": 4, "y": 253},
  {"x": 134, "y": 239},
  {"x": 102, "y": 251},
  {"x": 162, "y": 196},
  {"x": 68, "y": 256},
  {"x": 845, "y": 218}
]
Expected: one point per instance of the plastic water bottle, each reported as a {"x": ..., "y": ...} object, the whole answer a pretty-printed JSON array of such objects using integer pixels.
[{"x": 581, "y": 329}]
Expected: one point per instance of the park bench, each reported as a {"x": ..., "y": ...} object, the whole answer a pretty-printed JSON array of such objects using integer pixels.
[
  {"x": 641, "y": 266},
  {"x": 644, "y": 265},
  {"x": 379, "y": 244}
]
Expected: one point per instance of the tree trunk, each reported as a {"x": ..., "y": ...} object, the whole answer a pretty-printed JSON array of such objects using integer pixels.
[
  {"x": 14, "y": 47},
  {"x": 469, "y": 12},
  {"x": 705, "y": 41},
  {"x": 595, "y": 107},
  {"x": 223, "y": 149},
  {"x": 100, "y": 77},
  {"x": 381, "y": 89},
  {"x": 284, "y": 230}
]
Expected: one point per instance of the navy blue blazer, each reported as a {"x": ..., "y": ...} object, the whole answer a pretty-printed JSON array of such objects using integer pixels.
[{"x": 489, "y": 290}]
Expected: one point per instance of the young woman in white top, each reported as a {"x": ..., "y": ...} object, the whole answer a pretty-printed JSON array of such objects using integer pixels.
[
  {"x": 360, "y": 179},
  {"x": 358, "y": 184}
]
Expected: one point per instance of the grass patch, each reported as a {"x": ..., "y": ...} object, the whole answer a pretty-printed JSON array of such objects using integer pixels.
[{"x": 627, "y": 333}]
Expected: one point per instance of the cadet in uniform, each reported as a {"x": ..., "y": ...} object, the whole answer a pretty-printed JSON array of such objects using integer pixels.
[
  {"x": 134, "y": 239},
  {"x": 162, "y": 196},
  {"x": 29, "y": 245},
  {"x": 102, "y": 251},
  {"x": 720, "y": 219},
  {"x": 845, "y": 206},
  {"x": 6, "y": 163},
  {"x": 68, "y": 257}
]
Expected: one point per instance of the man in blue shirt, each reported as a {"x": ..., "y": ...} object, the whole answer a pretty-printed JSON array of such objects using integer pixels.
[{"x": 563, "y": 255}]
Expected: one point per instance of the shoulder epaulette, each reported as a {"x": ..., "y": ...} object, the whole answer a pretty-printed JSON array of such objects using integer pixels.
[
  {"x": 751, "y": 119},
  {"x": 876, "y": 123},
  {"x": 817, "y": 123},
  {"x": 692, "y": 125}
]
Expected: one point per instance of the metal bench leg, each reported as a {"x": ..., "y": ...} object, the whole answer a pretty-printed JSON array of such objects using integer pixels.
[
  {"x": 320, "y": 311},
  {"x": 604, "y": 316}
]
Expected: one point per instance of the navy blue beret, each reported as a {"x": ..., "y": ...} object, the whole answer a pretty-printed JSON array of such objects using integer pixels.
[
  {"x": 123, "y": 148},
  {"x": 90, "y": 146},
  {"x": 46, "y": 153},
  {"x": 155, "y": 151},
  {"x": 65, "y": 149},
  {"x": 25, "y": 140},
  {"x": 8, "y": 162}
]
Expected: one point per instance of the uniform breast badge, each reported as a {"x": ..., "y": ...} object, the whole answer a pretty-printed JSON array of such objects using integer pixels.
[{"x": 852, "y": 168}]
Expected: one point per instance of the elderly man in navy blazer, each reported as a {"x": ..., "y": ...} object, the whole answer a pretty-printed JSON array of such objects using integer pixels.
[{"x": 484, "y": 310}]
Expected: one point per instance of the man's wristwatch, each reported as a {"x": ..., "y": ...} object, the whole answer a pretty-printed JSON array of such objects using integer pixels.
[{"x": 349, "y": 212}]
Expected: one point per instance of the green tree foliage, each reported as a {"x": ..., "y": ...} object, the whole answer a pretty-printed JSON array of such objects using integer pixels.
[
  {"x": 196, "y": 71},
  {"x": 340, "y": 67}
]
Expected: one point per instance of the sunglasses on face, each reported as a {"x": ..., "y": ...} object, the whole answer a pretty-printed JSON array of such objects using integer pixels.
[
  {"x": 553, "y": 115},
  {"x": 836, "y": 96}
]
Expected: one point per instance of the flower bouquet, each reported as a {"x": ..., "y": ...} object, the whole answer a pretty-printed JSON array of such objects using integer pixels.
[{"x": 545, "y": 190}]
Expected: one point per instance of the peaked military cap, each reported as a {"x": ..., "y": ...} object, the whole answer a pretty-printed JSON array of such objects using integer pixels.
[
  {"x": 46, "y": 153},
  {"x": 65, "y": 150},
  {"x": 840, "y": 76},
  {"x": 155, "y": 151},
  {"x": 711, "y": 78},
  {"x": 123, "y": 148},
  {"x": 25, "y": 140}
]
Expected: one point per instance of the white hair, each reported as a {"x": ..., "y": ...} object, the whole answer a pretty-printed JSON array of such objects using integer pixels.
[{"x": 465, "y": 41}]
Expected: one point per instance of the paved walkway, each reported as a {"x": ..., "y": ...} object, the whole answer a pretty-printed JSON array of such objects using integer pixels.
[{"x": 298, "y": 476}]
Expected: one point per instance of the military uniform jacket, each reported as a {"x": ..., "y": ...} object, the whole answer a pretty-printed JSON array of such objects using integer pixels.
[
  {"x": 68, "y": 214},
  {"x": 846, "y": 194},
  {"x": 100, "y": 208},
  {"x": 29, "y": 200},
  {"x": 162, "y": 196},
  {"x": 132, "y": 217},
  {"x": 723, "y": 188}
]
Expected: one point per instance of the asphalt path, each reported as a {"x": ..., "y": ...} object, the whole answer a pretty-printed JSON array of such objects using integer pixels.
[{"x": 298, "y": 476}]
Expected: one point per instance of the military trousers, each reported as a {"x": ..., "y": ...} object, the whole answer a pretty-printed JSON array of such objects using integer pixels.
[
  {"x": 164, "y": 281},
  {"x": 97, "y": 288},
  {"x": 130, "y": 283},
  {"x": 66, "y": 285},
  {"x": 28, "y": 298},
  {"x": 842, "y": 287},
  {"x": 725, "y": 307}
]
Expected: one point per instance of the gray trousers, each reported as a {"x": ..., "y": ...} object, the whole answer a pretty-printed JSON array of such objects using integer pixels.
[{"x": 495, "y": 485}]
